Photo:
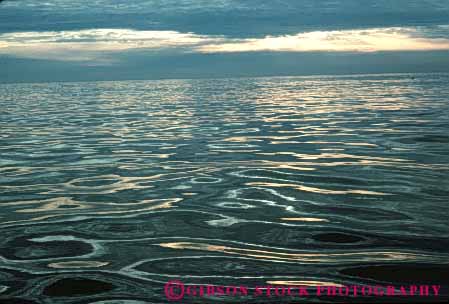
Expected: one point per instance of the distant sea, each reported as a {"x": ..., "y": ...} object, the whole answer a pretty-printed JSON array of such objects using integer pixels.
[{"x": 108, "y": 190}]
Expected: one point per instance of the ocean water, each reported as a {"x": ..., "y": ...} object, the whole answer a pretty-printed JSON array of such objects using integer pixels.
[{"x": 108, "y": 190}]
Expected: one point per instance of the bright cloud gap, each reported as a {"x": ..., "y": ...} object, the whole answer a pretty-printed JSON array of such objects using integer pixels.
[{"x": 97, "y": 44}]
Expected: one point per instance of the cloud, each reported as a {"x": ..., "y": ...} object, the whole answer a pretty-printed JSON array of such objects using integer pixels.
[
  {"x": 233, "y": 18},
  {"x": 102, "y": 45},
  {"x": 370, "y": 40},
  {"x": 93, "y": 44},
  {"x": 179, "y": 6}
]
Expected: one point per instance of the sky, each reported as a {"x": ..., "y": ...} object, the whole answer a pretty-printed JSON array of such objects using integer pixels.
[{"x": 65, "y": 40}]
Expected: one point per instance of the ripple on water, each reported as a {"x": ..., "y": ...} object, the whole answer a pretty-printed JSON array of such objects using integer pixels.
[
  {"x": 427, "y": 139},
  {"x": 219, "y": 265},
  {"x": 336, "y": 237},
  {"x": 17, "y": 301},
  {"x": 72, "y": 287},
  {"x": 402, "y": 273},
  {"x": 205, "y": 180},
  {"x": 24, "y": 248},
  {"x": 121, "y": 301},
  {"x": 235, "y": 205},
  {"x": 289, "y": 179},
  {"x": 78, "y": 264}
]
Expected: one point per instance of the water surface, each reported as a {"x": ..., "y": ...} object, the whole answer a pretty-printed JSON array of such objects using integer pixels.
[{"x": 110, "y": 189}]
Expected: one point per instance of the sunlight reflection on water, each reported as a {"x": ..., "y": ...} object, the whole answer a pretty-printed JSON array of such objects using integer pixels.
[{"x": 288, "y": 179}]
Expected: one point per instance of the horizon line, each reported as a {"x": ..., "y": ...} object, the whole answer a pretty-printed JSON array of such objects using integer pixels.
[{"x": 337, "y": 75}]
